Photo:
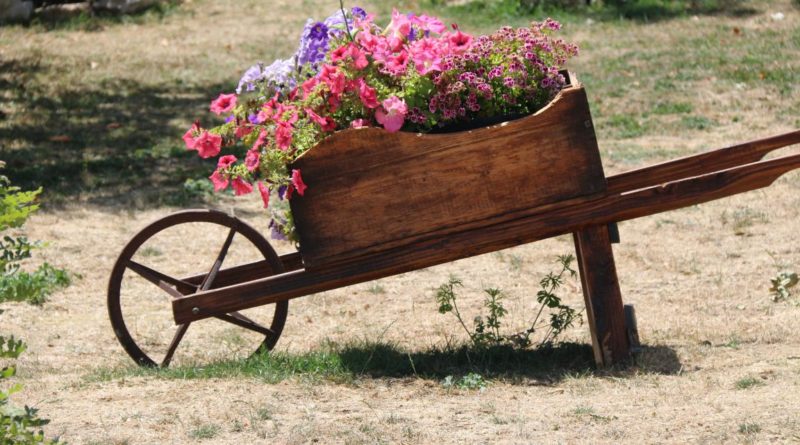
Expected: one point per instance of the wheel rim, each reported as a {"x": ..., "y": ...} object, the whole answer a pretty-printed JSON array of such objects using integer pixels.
[{"x": 169, "y": 284}]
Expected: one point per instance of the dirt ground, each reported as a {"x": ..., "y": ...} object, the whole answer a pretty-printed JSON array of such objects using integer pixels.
[{"x": 698, "y": 277}]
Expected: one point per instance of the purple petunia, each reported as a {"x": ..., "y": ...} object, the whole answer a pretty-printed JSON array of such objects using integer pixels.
[
  {"x": 313, "y": 43},
  {"x": 279, "y": 74}
]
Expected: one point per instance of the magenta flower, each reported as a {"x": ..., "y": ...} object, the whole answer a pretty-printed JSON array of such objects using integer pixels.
[
  {"x": 459, "y": 42},
  {"x": 219, "y": 180},
  {"x": 208, "y": 144},
  {"x": 264, "y": 191},
  {"x": 367, "y": 94},
  {"x": 223, "y": 104},
  {"x": 189, "y": 137},
  {"x": 297, "y": 182},
  {"x": 283, "y": 135},
  {"x": 393, "y": 113},
  {"x": 260, "y": 140},
  {"x": 241, "y": 187},
  {"x": 251, "y": 160},
  {"x": 225, "y": 161}
]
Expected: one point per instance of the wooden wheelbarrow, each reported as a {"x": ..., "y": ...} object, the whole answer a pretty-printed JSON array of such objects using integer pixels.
[{"x": 380, "y": 204}]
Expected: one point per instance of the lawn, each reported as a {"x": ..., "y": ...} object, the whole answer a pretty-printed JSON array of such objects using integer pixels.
[{"x": 93, "y": 109}]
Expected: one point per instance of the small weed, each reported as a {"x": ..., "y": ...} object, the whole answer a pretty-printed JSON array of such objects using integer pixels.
[
  {"x": 486, "y": 330},
  {"x": 743, "y": 218},
  {"x": 586, "y": 411},
  {"x": 749, "y": 428},
  {"x": 149, "y": 251},
  {"x": 470, "y": 381},
  {"x": 376, "y": 289},
  {"x": 781, "y": 285},
  {"x": 264, "y": 413},
  {"x": 733, "y": 343},
  {"x": 206, "y": 431},
  {"x": 748, "y": 382}
]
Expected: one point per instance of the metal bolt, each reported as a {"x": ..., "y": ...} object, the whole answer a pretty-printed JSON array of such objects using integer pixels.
[{"x": 195, "y": 310}]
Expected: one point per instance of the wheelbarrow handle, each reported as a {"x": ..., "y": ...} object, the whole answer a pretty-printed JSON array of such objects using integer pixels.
[{"x": 699, "y": 164}]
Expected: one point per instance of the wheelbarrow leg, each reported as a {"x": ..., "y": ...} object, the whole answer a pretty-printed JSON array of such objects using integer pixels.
[{"x": 604, "y": 308}]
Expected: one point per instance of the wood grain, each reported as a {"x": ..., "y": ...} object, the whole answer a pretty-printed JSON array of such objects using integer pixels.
[
  {"x": 700, "y": 164},
  {"x": 487, "y": 236},
  {"x": 369, "y": 190},
  {"x": 604, "y": 308}
]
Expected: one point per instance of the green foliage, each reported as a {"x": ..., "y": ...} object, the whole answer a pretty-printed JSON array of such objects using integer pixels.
[
  {"x": 748, "y": 382},
  {"x": 15, "y": 205},
  {"x": 33, "y": 287},
  {"x": 207, "y": 431},
  {"x": 472, "y": 380},
  {"x": 18, "y": 426},
  {"x": 781, "y": 285},
  {"x": 486, "y": 330},
  {"x": 12, "y": 251},
  {"x": 15, "y": 208}
]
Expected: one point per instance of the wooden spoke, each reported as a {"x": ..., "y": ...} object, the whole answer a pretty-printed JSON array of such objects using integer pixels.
[
  {"x": 244, "y": 322},
  {"x": 170, "y": 290},
  {"x": 176, "y": 339},
  {"x": 155, "y": 276},
  {"x": 209, "y": 279}
]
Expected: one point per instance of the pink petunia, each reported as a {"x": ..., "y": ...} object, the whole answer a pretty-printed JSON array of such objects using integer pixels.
[
  {"x": 241, "y": 187},
  {"x": 264, "y": 191},
  {"x": 397, "y": 64},
  {"x": 400, "y": 26},
  {"x": 283, "y": 135},
  {"x": 208, "y": 144},
  {"x": 367, "y": 95},
  {"x": 225, "y": 161},
  {"x": 392, "y": 114},
  {"x": 219, "y": 180},
  {"x": 427, "y": 23},
  {"x": 459, "y": 42},
  {"x": 260, "y": 140},
  {"x": 223, "y": 104},
  {"x": 243, "y": 130},
  {"x": 189, "y": 137},
  {"x": 297, "y": 182},
  {"x": 333, "y": 78},
  {"x": 251, "y": 160}
]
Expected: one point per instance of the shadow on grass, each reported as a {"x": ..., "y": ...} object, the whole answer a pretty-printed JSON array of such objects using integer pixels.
[
  {"x": 378, "y": 360},
  {"x": 78, "y": 17},
  {"x": 117, "y": 143}
]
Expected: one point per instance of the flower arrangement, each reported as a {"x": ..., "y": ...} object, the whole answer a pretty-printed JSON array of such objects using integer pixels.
[{"x": 415, "y": 74}]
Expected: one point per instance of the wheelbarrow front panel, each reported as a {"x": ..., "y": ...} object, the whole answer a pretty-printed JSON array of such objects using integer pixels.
[{"x": 370, "y": 191}]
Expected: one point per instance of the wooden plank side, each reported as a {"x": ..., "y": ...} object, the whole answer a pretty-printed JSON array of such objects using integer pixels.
[{"x": 369, "y": 189}]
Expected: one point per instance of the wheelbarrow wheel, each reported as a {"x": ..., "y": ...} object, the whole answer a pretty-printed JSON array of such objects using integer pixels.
[{"x": 154, "y": 269}]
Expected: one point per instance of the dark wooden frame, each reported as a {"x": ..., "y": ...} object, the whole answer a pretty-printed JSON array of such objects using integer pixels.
[{"x": 586, "y": 207}]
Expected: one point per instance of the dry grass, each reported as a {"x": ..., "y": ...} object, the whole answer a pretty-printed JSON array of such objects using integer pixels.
[{"x": 723, "y": 364}]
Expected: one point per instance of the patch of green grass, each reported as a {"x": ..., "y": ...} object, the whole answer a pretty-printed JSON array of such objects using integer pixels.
[
  {"x": 625, "y": 126},
  {"x": 667, "y": 107},
  {"x": 748, "y": 383},
  {"x": 205, "y": 431},
  {"x": 749, "y": 428},
  {"x": 697, "y": 123},
  {"x": 33, "y": 287}
]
